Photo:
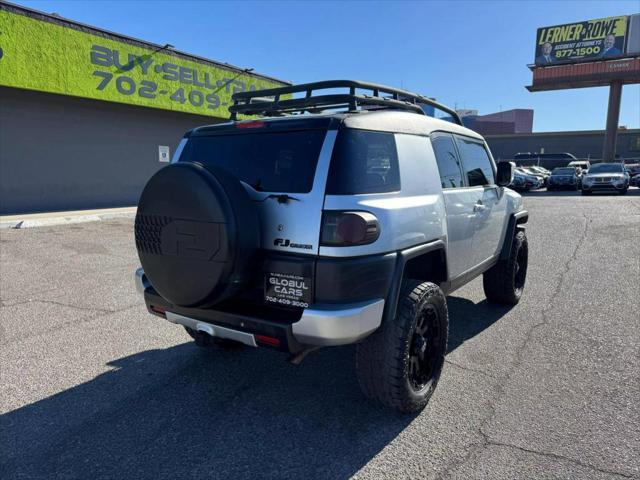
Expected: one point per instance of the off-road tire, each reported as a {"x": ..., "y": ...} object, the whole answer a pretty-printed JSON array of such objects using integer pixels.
[
  {"x": 504, "y": 282},
  {"x": 204, "y": 340},
  {"x": 383, "y": 359}
]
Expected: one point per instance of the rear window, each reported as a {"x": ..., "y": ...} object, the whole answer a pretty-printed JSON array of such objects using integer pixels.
[
  {"x": 269, "y": 162},
  {"x": 363, "y": 162}
]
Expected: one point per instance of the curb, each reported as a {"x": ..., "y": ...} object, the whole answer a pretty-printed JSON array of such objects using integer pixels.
[{"x": 64, "y": 218}]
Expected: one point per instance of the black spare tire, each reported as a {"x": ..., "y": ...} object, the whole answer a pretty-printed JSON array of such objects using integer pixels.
[{"x": 196, "y": 232}]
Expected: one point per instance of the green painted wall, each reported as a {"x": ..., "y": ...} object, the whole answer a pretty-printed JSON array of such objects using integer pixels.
[{"x": 43, "y": 56}]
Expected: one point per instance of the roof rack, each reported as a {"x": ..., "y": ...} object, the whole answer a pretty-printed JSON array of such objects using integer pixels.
[{"x": 269, "y": 102}]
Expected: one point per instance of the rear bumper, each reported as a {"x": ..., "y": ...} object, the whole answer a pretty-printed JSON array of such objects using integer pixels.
[{"x": 320, "y": 325}]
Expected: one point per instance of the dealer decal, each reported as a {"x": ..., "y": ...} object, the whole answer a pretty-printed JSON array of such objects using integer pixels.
[{"x": 287, "y": 289}]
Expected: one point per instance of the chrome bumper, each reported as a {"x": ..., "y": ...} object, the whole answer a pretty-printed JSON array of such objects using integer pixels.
[
  {"x": 338, "y": 325},
  {"x": 323, "y": 325},
  {"x": 213, "y": 330}
]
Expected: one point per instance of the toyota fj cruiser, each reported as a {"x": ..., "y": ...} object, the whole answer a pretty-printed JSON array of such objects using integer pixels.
[{"x": 334, "y": 218}]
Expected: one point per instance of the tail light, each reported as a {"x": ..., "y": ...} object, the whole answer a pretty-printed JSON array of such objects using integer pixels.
[
  {"x": 342, "y": 229},
  {"x": 272, "y": 341}
]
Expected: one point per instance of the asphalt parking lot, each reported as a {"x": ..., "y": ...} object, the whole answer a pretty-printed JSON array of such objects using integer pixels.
[{"x": 94, "y": 387}]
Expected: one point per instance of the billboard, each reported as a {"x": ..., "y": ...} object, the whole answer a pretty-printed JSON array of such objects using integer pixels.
[
  {"x": 49, "y": 57},
  {"x": 581, "y": 41}
]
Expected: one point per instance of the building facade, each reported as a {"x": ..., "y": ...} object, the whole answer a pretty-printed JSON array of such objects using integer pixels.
[
  {"x": 582, "y": 144},
  {"x": 85, "y": 124},
  {"x": 518, "y": 120}
]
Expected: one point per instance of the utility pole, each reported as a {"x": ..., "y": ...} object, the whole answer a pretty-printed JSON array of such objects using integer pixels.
[{"x": 613, "y": 116}]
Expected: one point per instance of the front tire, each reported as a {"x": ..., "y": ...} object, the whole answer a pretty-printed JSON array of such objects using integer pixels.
[
  {"x": 400, "y": 364},
  {"x": 504, "y": 282},
  {"x": 586, "y": 192}
]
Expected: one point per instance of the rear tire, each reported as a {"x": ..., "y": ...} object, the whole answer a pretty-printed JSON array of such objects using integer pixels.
[
  {"x": 399, "y": 365},
  {"x": 504, "y": 282}
]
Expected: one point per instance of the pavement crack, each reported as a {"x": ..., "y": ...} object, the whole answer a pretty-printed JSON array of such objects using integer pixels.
[
  {"x": 558, "y": 457},
  {"x": 476, "y": 447},
  {"x": 76, "y": 307},
  {"x": 469, "y": 369}
]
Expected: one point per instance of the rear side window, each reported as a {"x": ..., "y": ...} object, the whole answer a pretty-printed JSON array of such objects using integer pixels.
[
  {"x": 477, "y": 165},
  {"x": 269, "y": 162},
  {"x": 447, "y": 159},
  {"x": 363, "y": 162}
]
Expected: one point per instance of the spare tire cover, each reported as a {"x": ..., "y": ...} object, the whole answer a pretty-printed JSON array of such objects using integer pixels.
[{"x": 196, "y": 232}]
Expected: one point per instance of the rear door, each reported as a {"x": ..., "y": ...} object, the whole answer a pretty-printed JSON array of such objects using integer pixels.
[
  {"x": 489, "y": 201},
  {"x": 283, "y": 171},
  {"x": 459, "y": 202}
]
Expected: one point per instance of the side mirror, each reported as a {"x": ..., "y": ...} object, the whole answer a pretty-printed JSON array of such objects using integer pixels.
[{"x": 505, "y": 173}]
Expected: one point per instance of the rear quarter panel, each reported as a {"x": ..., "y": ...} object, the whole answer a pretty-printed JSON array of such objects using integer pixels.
[{"x": 407, "y": 218}]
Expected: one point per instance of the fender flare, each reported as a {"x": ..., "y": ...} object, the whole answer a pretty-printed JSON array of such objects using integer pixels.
[
  {"x": 391, "y": 303},
  {"x": 515, "y": 224}
]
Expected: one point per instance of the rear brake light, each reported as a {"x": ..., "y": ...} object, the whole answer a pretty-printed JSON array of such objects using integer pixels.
[
  {"x": 274, "y": 342},
  {"x": 255, "y": 124},
  {"x": 349, "y": 228}
]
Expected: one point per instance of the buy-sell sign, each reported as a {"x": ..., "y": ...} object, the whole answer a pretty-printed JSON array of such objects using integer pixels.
[
  {"x": 48, "y": 57},
  {"x": 599, "y": 39}
]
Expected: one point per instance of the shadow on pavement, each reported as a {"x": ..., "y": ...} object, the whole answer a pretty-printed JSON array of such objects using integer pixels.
[
  {"x": 468, "y": 319},
  {"x": 184, "y": 412}
]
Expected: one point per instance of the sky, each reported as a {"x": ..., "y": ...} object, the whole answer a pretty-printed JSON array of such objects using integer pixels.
[{"x": 466, "y": 54}]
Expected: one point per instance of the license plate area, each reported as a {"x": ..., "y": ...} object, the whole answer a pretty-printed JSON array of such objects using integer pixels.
[{"x": 288, "y": 290}]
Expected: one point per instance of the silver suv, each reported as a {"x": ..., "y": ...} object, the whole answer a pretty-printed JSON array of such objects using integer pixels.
[
  {"x": 607, "y": 177},
  {"x": 333, "y": 219}
]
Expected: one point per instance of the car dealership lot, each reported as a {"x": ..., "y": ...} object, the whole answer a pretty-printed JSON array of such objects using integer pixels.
[{"x": 94, "y": 387}]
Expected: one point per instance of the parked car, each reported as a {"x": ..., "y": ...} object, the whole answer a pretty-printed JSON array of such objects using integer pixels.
[
  {"x": 532, "y": 182},
  {"x": 584, "y": 165},
  {"x": 633, "y": 169},
  {"x": 546, "y": 160},
  {"x": 284, "y": 231},
  {"x": 532, "y": 171},
  {"x": 541, "y": 170},
  {"x": 635, "y": 181},
  {"x": 563, "y": 178},
  {"x": 610, "y": 177},
  {"x": 519, "y": 182}
]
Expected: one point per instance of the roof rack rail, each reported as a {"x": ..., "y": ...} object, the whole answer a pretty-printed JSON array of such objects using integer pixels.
[{"x": 269, "y": 102}]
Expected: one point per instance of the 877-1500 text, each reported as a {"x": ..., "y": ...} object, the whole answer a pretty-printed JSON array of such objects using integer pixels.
[{"x": 148, "y": 89}]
